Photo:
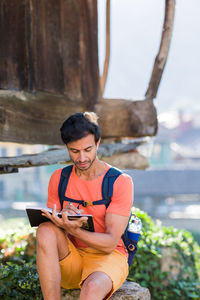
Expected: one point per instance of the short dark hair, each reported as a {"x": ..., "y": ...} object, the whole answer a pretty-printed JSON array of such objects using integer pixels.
[{"x": 80, "y": 125}]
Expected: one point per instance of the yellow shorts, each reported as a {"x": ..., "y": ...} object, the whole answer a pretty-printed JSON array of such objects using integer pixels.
[{"x": 82, "y": 262}]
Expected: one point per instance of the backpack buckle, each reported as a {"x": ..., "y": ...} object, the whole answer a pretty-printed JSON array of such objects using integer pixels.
[
  {"x": 88, "y": 203},
  {"x": 131, "y": 247}
]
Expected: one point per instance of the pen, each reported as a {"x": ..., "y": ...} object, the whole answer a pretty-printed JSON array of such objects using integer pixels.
[{"x": 78, "y": 211}]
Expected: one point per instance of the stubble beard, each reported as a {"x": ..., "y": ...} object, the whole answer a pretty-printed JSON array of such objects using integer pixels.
[{"x": 86, "y": 168}]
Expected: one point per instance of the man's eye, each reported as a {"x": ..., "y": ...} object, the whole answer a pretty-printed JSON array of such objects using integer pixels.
[
  {"x": 74, "y": 151},
  {"x": 88, "y": 150}
]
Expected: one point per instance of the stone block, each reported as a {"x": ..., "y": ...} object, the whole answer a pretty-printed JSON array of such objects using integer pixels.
[{"x": 128, "y": 291}]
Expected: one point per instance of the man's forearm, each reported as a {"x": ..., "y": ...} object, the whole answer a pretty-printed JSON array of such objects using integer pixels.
[{"x": 104, "y": 242}]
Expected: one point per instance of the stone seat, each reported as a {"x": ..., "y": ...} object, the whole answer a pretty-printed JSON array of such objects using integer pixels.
[{"x": 128, "y": 291}]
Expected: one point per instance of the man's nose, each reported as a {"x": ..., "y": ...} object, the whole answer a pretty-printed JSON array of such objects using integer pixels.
[{"x": 82, "y": 156}]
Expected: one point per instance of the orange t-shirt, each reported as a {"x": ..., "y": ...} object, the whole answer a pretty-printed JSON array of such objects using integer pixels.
[{"x": 80, "y": 189}]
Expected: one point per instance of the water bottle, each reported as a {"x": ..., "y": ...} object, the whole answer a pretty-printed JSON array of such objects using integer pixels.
[{"x": 134, "y": 228}]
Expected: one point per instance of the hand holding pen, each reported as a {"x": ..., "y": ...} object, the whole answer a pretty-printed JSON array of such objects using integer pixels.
[{"x": 70, "y": 209}]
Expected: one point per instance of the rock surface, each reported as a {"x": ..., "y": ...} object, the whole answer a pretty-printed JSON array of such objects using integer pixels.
[{"x": 128, "y": 291}]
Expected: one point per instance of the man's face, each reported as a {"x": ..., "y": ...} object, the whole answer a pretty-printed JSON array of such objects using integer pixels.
[{"x": 83, "y": 152}]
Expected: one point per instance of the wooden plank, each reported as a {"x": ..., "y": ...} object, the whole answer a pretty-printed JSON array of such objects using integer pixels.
[
  {"x": 13, "y": 50},
  {"x": 89, "y": 53},
  {"x": 120, "y": 154},
  {"x": 36, "y": 118},
  {"x": 33, "y": 118},
  {"x": 8, "y": 170},
  {"x": 47, "y": 45},
  {"x": 50, "y": 46},
  {"x": 126, "y": 118}
]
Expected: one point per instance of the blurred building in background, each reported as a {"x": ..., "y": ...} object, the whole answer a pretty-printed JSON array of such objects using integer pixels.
[
  {"x": 177, "y": 144},
  {"x": 27, "y": 187}
]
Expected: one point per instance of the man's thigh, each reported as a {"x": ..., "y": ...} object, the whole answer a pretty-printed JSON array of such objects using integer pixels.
[{"x": 71, "y": 268}]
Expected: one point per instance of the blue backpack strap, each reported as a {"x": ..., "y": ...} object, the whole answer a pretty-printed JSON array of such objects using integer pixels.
[
  {"x": 107, "y": 192},
  {"x": 107, "y": 186},
  {"x": 64, "y": 178}
]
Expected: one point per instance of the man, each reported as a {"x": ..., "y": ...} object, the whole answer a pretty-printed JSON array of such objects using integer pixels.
[{"x": 68, "y": 255}]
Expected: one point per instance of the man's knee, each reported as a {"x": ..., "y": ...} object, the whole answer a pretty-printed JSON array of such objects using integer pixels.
[
  {"x": 92, "y": 286},
  {"x": 97, "y": 284},
  {"x": 45, "y": 232}
]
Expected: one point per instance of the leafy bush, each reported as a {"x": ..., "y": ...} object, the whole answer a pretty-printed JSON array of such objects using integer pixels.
[
  {"x": 196, "y": 236},
  {"x": 19, "y": 279},
  {"x": 180, "y": 283},
  {"x": 18, "y": 274}
]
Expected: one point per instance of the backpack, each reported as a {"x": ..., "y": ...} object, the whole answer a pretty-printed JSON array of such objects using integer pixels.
[{"x": 107, "y": 190}]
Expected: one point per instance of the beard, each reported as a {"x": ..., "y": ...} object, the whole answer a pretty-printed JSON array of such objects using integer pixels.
[{"x": 84, "y": 166}]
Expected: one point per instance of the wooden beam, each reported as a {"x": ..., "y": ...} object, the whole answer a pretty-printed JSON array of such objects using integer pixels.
[
  {"x": 36, "y": 118},
  {"x": 33, "y": 118},
  {"x": 132, "y": 160},
  {"x": 162, "y": 55},
  {"x": 120, "y": 154},
  {"x": 8, "y": 170},
  {"x": 126, "y": 118},
  {"x": 103, "y": 78}
]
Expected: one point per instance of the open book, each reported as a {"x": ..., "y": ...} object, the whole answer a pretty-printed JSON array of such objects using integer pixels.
[{"x": 35, "y": 217}]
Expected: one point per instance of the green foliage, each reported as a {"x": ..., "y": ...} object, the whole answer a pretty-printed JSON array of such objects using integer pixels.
[
  {"x": 19, "y": 279},
  {"x": 18, "y": 274},
  {"x": 19, "y": 282},
  {"x": 146, "y": 268},
  {"x": 196, "y": 236}
]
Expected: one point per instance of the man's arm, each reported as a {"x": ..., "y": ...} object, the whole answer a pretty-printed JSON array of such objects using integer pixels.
[{"x": 105, "y": 242}]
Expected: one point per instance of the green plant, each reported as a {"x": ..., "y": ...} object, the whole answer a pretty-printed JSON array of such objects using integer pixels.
[
  {"x": 147, "y": 265},
  {"x": 196, "y": 236},
  {"x": 18, "y": 274},
  {"x": 19, "y": 282},
  {"x": 19, "y": 279}
]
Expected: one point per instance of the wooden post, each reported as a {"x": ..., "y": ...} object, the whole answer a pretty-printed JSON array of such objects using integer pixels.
[{"x": 50, "y": 46}]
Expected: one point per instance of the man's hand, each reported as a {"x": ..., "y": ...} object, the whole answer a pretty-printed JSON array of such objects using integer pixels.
[
  {"x": 64, "y": 223},
  {"x": 71, "y": 210}
]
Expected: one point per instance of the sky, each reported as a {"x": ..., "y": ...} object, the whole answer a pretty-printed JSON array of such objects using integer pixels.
[{"x": 136, "y": 27}]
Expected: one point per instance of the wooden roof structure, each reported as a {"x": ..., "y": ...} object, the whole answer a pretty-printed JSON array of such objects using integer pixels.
[{"x": 49, "y": 70}]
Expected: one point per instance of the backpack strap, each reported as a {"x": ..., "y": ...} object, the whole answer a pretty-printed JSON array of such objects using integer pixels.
[
  {"x": 107, "y": 186},
  {"x": 64, "y": 178}
]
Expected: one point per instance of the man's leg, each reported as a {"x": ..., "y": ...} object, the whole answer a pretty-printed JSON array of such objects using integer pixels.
[
  {"x": 51, "y": 247},
  {"x": 96, "y": 286}
]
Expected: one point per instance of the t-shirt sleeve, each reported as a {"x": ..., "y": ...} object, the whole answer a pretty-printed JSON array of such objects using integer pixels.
[
  {"x": 122, "y": 199},
  {"x": 53, "y": 197}
]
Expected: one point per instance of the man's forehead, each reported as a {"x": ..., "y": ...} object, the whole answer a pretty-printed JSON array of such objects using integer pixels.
[{"x": 83, "y": 143}]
